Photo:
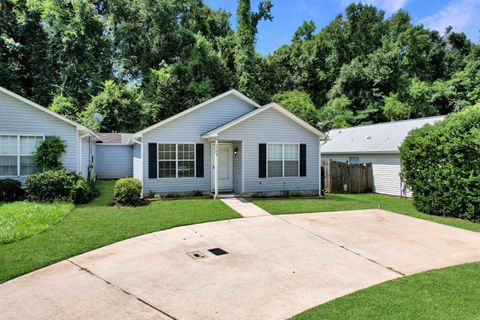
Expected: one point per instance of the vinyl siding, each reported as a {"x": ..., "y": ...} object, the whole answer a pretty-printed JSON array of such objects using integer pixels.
[
  {"x": 271, "y": 126},
  {"x": 114, "y": 161},
  {"x": 386, "y": 171},
  {"x": 237, "y": 167},
  {"x": 17, "y": 117},
  {"x": 86, "y": 155},
  {"x": 188, "y": 129},
  {"x": 137, "y": 162}
]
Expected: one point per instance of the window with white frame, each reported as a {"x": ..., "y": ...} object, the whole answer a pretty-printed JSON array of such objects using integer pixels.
[
  {"x": 176, "y": 160},
  {"x": 16, "y": 155},
  {"x": 282, "y": 160}
]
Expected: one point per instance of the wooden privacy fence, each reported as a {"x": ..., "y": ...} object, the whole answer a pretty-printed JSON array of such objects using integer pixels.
[{"x": 340, "y": 177}]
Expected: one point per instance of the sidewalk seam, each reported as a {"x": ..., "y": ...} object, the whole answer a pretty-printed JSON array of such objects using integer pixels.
[{"x": 123, "y": 290}]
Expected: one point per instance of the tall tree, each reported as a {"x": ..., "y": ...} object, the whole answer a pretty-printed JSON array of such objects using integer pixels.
[
  {"x": 245, "y": 56},
  {"x": 79, "y": 48}
]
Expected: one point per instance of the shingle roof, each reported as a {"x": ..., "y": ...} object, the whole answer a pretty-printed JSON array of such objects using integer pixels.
[
  {"x": 117, "y": 138},
  {"x": 376, "y": 138}
]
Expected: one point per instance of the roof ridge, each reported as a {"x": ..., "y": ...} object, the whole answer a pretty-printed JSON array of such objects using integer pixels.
[{"x": 389, "y": 122}]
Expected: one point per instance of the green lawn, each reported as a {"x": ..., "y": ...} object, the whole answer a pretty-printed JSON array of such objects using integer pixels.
[
  {"x": 450, "y": 293},
  {"x": 19, "y": 220},
  {"x": 338, "y": 202},
  {"x": 97, "y": 224}
]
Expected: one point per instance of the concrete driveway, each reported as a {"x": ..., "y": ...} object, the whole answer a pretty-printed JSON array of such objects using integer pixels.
[{"x": 276, "y": 267}]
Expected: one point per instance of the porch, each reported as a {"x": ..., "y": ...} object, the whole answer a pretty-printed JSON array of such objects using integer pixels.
[{"x": 227, "y": 174}]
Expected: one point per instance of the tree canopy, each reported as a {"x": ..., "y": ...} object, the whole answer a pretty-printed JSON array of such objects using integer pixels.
[{"x": 164, "y": 56}]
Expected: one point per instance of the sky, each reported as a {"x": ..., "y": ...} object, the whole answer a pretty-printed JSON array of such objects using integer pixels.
[{"x": 462, "y": 15}]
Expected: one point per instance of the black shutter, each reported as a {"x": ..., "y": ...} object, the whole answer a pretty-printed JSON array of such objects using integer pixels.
[
  {"x": 152, "y": 161},
  {"x": 199, "y": 161},
  {"x": 262, "y": 160},
  {"x": 303, "y": 160}
]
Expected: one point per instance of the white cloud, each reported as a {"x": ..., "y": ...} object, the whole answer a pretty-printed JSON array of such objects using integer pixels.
[
  {"x": 462, "y": 15},
  {"x": 389, "y": 6}
]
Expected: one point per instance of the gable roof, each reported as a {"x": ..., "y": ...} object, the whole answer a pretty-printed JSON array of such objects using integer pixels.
[
  {"x": 46, "y": 110},
  {"x": 376, "y": 138},
  {"x": 213, "y": 133},
  {"x": 115, "y": 138},
  {"x": 198, "y": 106}
]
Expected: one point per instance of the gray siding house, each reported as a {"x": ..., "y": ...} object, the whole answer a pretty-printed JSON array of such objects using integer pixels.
[
  {"x": 114, "y": 156},
  {"x": 377, "y": 144},
  {"x": 23, "y": 123},
  {"x": 229, "y": 144}
]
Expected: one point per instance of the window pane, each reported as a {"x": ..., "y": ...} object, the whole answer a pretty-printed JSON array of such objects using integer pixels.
[
  {"x": 186, "y": 169},
  {"x": 166, "y": 151},
  {"x": 274, "y": 168},
  {"x": 28, "y": 145},
  {"x": 8, "y": 145},
  {"x": 290, "y": 151},
  {"x": 274, "y": 152},
  {"x": 291, "y": 168},
  {"x": 186, "y": 152},
  {"x": 354, "y": 160},
  {"x": 27, "y": 166},
  {"x": 166, "y": 169},
  {"x": 8, "y": 165}
]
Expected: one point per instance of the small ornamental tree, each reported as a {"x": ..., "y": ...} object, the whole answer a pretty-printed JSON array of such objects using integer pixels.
[
  {"x": 48, "y": 153},
  {"x": 441, "y": 165}
]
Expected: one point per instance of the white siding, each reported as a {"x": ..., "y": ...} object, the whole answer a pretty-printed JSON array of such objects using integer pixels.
[
  {"x": 114, "y": 161},
  {"x": 17, "y": 117},
  {"x": 271, "y": 126},
  {"x": 137, "y": 162},
  {"x": 386, "y": 170},
  {"x": 86, "y": 156},
  {"x": 188, "y": 129}
]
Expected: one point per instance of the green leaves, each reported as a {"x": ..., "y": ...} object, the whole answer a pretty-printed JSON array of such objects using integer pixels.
[
  {"x": 440, "y": 163},
  {"x": 49, "y": 152}
]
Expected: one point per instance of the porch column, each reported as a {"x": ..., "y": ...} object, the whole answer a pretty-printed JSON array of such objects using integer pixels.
[
  {"x": 215, "y": 170},
  {"x": 320, "y": 168}
]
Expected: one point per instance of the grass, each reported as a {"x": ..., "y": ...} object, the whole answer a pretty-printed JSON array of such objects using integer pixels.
[
  {"x": 19, "y": 220},
  {"x": 449, "y": 293},
  {"x": 97, "y": 224},
  {"x": 339, "y": 202}
]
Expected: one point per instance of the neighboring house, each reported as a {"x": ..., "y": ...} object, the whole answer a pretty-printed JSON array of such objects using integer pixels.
[
  {"x": 114, "y": 156},
  {"x": 24, "y": 123},
  {"x": 377, "y": 144},
  {"x": 229, "y": 144}
]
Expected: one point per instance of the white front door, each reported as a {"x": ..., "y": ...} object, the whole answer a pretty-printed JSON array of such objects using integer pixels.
[{"x": 225, "y": 166}]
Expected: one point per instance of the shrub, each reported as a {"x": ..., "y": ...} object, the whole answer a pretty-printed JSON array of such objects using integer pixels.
[
  {"x": 52, "y": 185},
  {"x": 441, "y": 165},
  {"x": 11, "y": 190},
  {"x": 82, "y": 191},
  {"x": 48, "y": 153},
  {"x": 128, "y": 192},
  {"x": 172, "y": 195}
]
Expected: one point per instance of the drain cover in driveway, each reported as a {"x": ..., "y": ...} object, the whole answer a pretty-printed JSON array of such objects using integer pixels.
[
  {"x": 218, "y": 251},
  {"x": 196, "y": 255}
]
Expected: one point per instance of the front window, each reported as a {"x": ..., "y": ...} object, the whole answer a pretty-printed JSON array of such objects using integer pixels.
[
  {"x": 16, "y": 155},
  {"x": 283, "y": 160},
  {"x": 176, "y": 160}
]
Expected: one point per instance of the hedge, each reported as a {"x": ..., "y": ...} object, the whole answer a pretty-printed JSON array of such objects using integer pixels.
[{"x": 441, "y": 165}]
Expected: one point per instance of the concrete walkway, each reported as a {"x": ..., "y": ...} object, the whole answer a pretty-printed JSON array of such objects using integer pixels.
[
  {"x": 273, "y": 267},
  {"x": 244, "y": 207}
]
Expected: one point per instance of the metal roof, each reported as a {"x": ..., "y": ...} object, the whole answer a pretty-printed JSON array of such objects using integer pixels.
[{"x": 376, "y": 138}]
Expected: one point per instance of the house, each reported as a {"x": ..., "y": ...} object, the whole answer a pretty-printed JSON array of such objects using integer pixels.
[
  {"x": 114, "y": 156},
  {"x": 23, "y": 123},
  {"x": 377, "y": 144},
  {"x": 229, "y": 144}
]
